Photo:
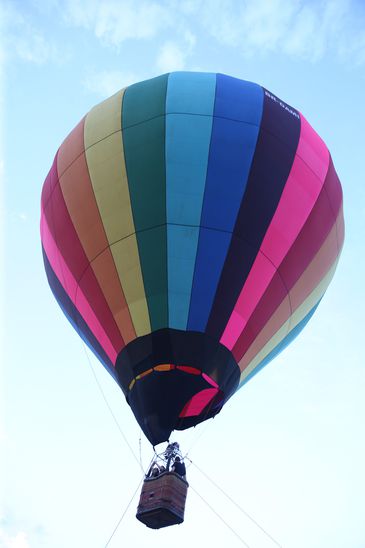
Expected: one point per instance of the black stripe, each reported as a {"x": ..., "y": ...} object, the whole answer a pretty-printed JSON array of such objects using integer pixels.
[{"x": 274, "y": 155}]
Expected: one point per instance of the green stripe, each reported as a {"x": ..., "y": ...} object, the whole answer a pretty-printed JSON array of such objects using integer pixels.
[{"x": 143, "y": 125}]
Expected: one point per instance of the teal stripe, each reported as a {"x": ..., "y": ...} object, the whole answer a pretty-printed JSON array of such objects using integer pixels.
[
  {"x": 189, "y": 109},
  {"x": 143, "y": 124}
]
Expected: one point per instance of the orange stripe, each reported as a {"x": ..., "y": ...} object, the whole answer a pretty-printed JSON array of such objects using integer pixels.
[
  {"x": 164, "y": 367},
  {"x": 144, "y": 374},
  {"x": 82, "y": 207},
  {"x": 107, "y": 275},
  {"x": 78, "y": 194},
  {"x": 71, "y": 148}
]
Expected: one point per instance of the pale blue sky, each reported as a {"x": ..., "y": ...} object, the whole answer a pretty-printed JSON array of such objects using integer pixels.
[{"x": 290, "y": 446}]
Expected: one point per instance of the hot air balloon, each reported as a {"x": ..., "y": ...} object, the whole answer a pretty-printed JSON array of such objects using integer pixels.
[{"x": 190, "y": 226}]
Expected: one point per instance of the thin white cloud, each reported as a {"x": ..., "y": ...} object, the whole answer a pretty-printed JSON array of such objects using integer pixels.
[
  {"x": 115, "y": 21},
  {"x": 306, "y": 29},
  {"x": 248, "y": 24},
  {"x": 19, "y": 540},
  {"x": 22, "y": 39},
  {"x": 22, "y": 216},
  {"x": 171, "y": 57},
  {"x": 32, "y": 47},
  {"x": 173, "y": 54},
  {"x": 318, "y": 29},
  {"x": 17, "y": 216},
  {"x": 300, "y": 28},
  {"x": 108, "y": 82}
]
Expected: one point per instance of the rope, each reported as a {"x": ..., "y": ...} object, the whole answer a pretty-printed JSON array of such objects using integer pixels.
[
  {"x": 198, "y": 436},
  {"x": 220, "y": 517},
  {"x": 140, "y": 449},
  {"x": 124, "y": 513},
  {"x": 237, "y": 505},
  {"x": 110, "y": 409}
]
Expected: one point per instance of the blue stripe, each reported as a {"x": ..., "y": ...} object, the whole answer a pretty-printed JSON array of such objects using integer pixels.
[
  {"x": 237, "y": 117},
  {"x": 282, "y": 345},
  {"x": 189, "y": 110}
]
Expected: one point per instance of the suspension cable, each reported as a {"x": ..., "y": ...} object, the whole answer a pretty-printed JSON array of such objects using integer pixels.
[
  {"x": 140, "y": 449},
  {"x": 236, "y": 504},
  {"x": 220, "y": 517},
  {"x": 110, "y": 409},
  {"x": 198, "y": 436},
  {"x": 124, "y": 513}
]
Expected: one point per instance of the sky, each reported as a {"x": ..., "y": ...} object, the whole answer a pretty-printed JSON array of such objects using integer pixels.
[{"x": 289, "y": 448}]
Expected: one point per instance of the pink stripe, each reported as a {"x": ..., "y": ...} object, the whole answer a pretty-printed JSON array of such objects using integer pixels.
[
  {"x": 198, "y": 402},
  {"x": 49, "y": 183},
  {"x": 71, "y": 248},
  {"x": 210, "y": 380},
  {"x": 300, "y": 193},
  {"x": 70, "y": 286},
  {"x": 313, "y": 150}
]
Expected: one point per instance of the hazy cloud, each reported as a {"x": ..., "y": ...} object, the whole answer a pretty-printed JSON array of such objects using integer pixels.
[
  {"x": 22, "y": 39},
  {"x": 115, "y": 21},
  {"x": 173, "y": 54},
  {"x": 108, "y": 82},
  {"x": 19, "y": 540},
  {"x": 305, "y": 29},
  {"x": 23, "y": 217}
]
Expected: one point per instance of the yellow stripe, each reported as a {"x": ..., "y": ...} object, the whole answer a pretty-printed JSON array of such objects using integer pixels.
[
  {"x": 105, "y": 159},
  {"x": 292, "y": 322},
  {"x": 141, "y": 375}
]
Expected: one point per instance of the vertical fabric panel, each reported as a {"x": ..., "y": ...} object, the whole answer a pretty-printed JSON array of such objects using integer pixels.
[
  {"x": 237, "y": 117},
  {"x": 77, "y": 191},
  {"x": 64, "y": 244},
  {"x": 297, "y": 200},
  {"x": 189, "y": 110},
  {"x": 75, "y": 318},
  {"x": 299, "y": 314},
  {"x": 257, "y": 332},
  {"x": 68, "y": 281},
  {"x": 281, "y": 346},
  {"x": 49, "y": 184},
  {"x": 89, "y": 227},
  {"x": 143, "y": 126},
  {"x": 271, "y": 165},
  {"x": 335, "y": 198},
  {"x": 320, "y": 223},
  {"x": 105, "y": 160}
]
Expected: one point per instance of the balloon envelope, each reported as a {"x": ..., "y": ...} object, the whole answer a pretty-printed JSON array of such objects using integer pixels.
[{"x": 190, "y": 226}]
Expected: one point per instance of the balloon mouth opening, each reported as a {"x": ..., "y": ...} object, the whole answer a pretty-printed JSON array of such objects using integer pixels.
[
  {"x": 175, "y": 379},
  {"x": 207, "y": 398}
]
